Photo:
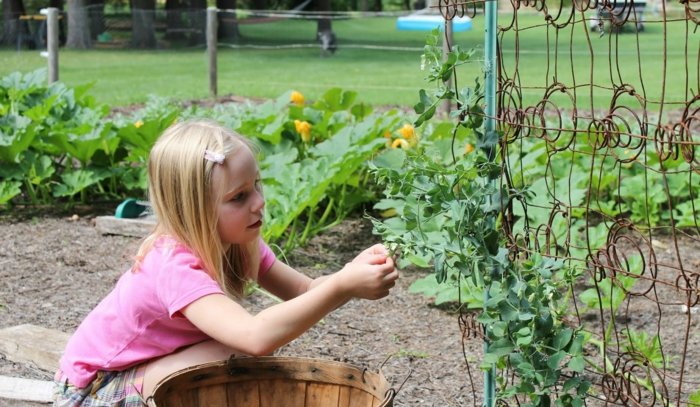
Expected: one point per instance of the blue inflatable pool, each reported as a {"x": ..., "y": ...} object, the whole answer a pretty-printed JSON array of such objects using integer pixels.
[{"x": 419, "y": 22}]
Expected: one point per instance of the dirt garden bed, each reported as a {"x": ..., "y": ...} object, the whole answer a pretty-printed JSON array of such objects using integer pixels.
[{"x": 53, "y": 270}]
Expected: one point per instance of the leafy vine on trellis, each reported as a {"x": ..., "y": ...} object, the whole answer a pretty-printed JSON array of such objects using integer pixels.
[{"x": 449, "y": 203}]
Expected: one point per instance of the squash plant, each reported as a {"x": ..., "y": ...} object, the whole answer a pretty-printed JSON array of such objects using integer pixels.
[
  {"x": 449, "y": 204},
  {"x": 58, "y": 146},
  {"x": 54, "y": 142},
  {"x": 313, "y": 174}
]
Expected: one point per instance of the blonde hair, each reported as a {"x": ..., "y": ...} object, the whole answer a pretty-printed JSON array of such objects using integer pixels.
[{"x": 180, "y": 189}]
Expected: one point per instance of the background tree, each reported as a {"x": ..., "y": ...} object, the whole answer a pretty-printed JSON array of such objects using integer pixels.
[
  {"x": 186, "y": 21},
  {"x": 143, "y": 18},
  {"x": 228, "y": 27},
  {"x": 175, "y": 19},
  {"x": 78, "y": 25},
  {"x": 96, "y": 14},
  {"x": 198, "y": 21},
  {"x": 11, "y": 10}
]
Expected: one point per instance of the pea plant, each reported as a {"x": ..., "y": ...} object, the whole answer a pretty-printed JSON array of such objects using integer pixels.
[{"x": 449, "y": 206}]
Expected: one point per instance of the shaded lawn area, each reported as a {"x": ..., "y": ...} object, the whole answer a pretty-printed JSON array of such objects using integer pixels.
[{"x": 384, "y": 76}]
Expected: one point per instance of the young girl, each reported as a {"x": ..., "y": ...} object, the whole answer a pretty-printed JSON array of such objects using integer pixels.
[{"x": 177, "y": 305}]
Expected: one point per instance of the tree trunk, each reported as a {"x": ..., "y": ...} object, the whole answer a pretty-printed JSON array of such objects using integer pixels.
[
  {"x": 259, "y": 4},
  {"x": 96, "y": 12},
  {"x": 228, "y": 27},
  {"x": 78, "y": 25},
  {"x": 324, "y": 24},
  {"x": 11, "y": 24},
  {"x": 143, "y": 23},
  {"x": 198, "y": 22},
  {"x": 175, "y": 26},
  {"x": 324, "y": 30}
]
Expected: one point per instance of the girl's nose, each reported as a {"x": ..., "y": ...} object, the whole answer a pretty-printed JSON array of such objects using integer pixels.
[{"x": 259, "y": 202}]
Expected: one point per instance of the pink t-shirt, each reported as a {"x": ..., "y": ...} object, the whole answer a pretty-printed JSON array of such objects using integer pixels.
[{"x": 139, "y": 319}]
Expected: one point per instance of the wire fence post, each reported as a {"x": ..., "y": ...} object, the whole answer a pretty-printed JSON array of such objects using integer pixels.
[
  {"x": 212, "y": 25},
  {"x": 447, "y": 41},
  {"x": 51, "y": 42},
  {"x": 490, "y": 78}
]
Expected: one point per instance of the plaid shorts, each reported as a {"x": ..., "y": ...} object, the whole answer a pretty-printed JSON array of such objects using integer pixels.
[{"x": 108, "y": 389}]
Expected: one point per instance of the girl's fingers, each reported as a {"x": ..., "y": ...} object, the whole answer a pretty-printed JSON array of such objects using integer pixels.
[
  {"x": 380, "y": 249},
  {"x": 377, "y": 249},
  {"x": 376, "y": 259},
  {"x": 392, "y": 277}
]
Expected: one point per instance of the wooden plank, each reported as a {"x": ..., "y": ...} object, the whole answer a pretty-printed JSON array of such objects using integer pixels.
[
  {"x": 39, "y": 346},
  {"x": 360, "y": 398},
  {"x": 344, "y": 396},
  {"x": 212, "y": 396},
  {"x": 244, "y": 394},
  {"x": 287, "y": 393},
  {"x": 172, "y": 400},
  {"x": 137, "y": 227},
  {"x": 322, "y": 395},
  {"x": 15, "y": 388},
  {"x": 190, "y": 398}
]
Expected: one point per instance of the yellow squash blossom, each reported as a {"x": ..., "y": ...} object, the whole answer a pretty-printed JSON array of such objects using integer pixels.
[
  {"x": 399, "y": 142},
  {"x": 387, "y": 136},
  {"x": 407, "y": 131},
  {"x": 138, "y": 123},
  {"x": 304, "y": 130},
  {"x": 389, "y": 213},
  {"x": 468, "y": 149},
  {"x": 297, "y": 98}
]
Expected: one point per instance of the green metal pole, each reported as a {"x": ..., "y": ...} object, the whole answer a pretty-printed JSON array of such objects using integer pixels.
[
  {"x": 490, "y": 77},
  {"x": 490, "y": 67}
]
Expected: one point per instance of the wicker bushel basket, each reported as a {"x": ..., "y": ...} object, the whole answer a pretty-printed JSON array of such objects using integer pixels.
[{"x": 274, "y": 382}]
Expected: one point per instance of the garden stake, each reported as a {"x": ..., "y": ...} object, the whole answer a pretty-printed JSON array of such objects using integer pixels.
[{"x": 490, "y": 41}]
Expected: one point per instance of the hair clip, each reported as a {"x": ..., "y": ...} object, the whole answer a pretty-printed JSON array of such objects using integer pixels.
[{"x": 214, "y": 156}]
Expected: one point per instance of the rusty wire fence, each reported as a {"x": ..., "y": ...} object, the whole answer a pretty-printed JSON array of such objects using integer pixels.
[{"x": 601, "y": 137}]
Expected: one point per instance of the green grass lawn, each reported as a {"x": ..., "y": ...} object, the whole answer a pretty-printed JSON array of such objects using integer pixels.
[
  {"x": 636, "y": 59},
  {"x": 381, "y": 76}
]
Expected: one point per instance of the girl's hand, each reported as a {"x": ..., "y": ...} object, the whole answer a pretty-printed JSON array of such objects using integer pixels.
[
  {"x": 372, "y": 255},
  {"x": 369, "y": 276}
]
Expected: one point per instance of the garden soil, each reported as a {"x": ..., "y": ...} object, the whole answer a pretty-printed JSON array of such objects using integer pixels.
[{"x": 55, "y": 268}]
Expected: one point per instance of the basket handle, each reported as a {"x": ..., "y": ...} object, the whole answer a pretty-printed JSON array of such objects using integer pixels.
[
  {"x": 388, "y": 398},
  {"x": 391, "y": 393}
]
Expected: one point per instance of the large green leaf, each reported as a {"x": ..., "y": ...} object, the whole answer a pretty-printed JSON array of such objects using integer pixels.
[
  {"x": 16, "y": 136},
  {"x": 76, "y": 181},
  {"x": 8, "y": 190}
]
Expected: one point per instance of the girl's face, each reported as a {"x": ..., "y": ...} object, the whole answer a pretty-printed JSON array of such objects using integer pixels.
[{"x": 240, "y": 210}]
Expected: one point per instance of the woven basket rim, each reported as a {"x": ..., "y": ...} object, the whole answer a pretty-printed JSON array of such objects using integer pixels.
[{"x": 248, "y": 368}]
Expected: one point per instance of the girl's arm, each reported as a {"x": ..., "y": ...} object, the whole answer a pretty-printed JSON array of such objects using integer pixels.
[
  {"x": 286, "y": 283},
  {"x": 227, "y": 322}
]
